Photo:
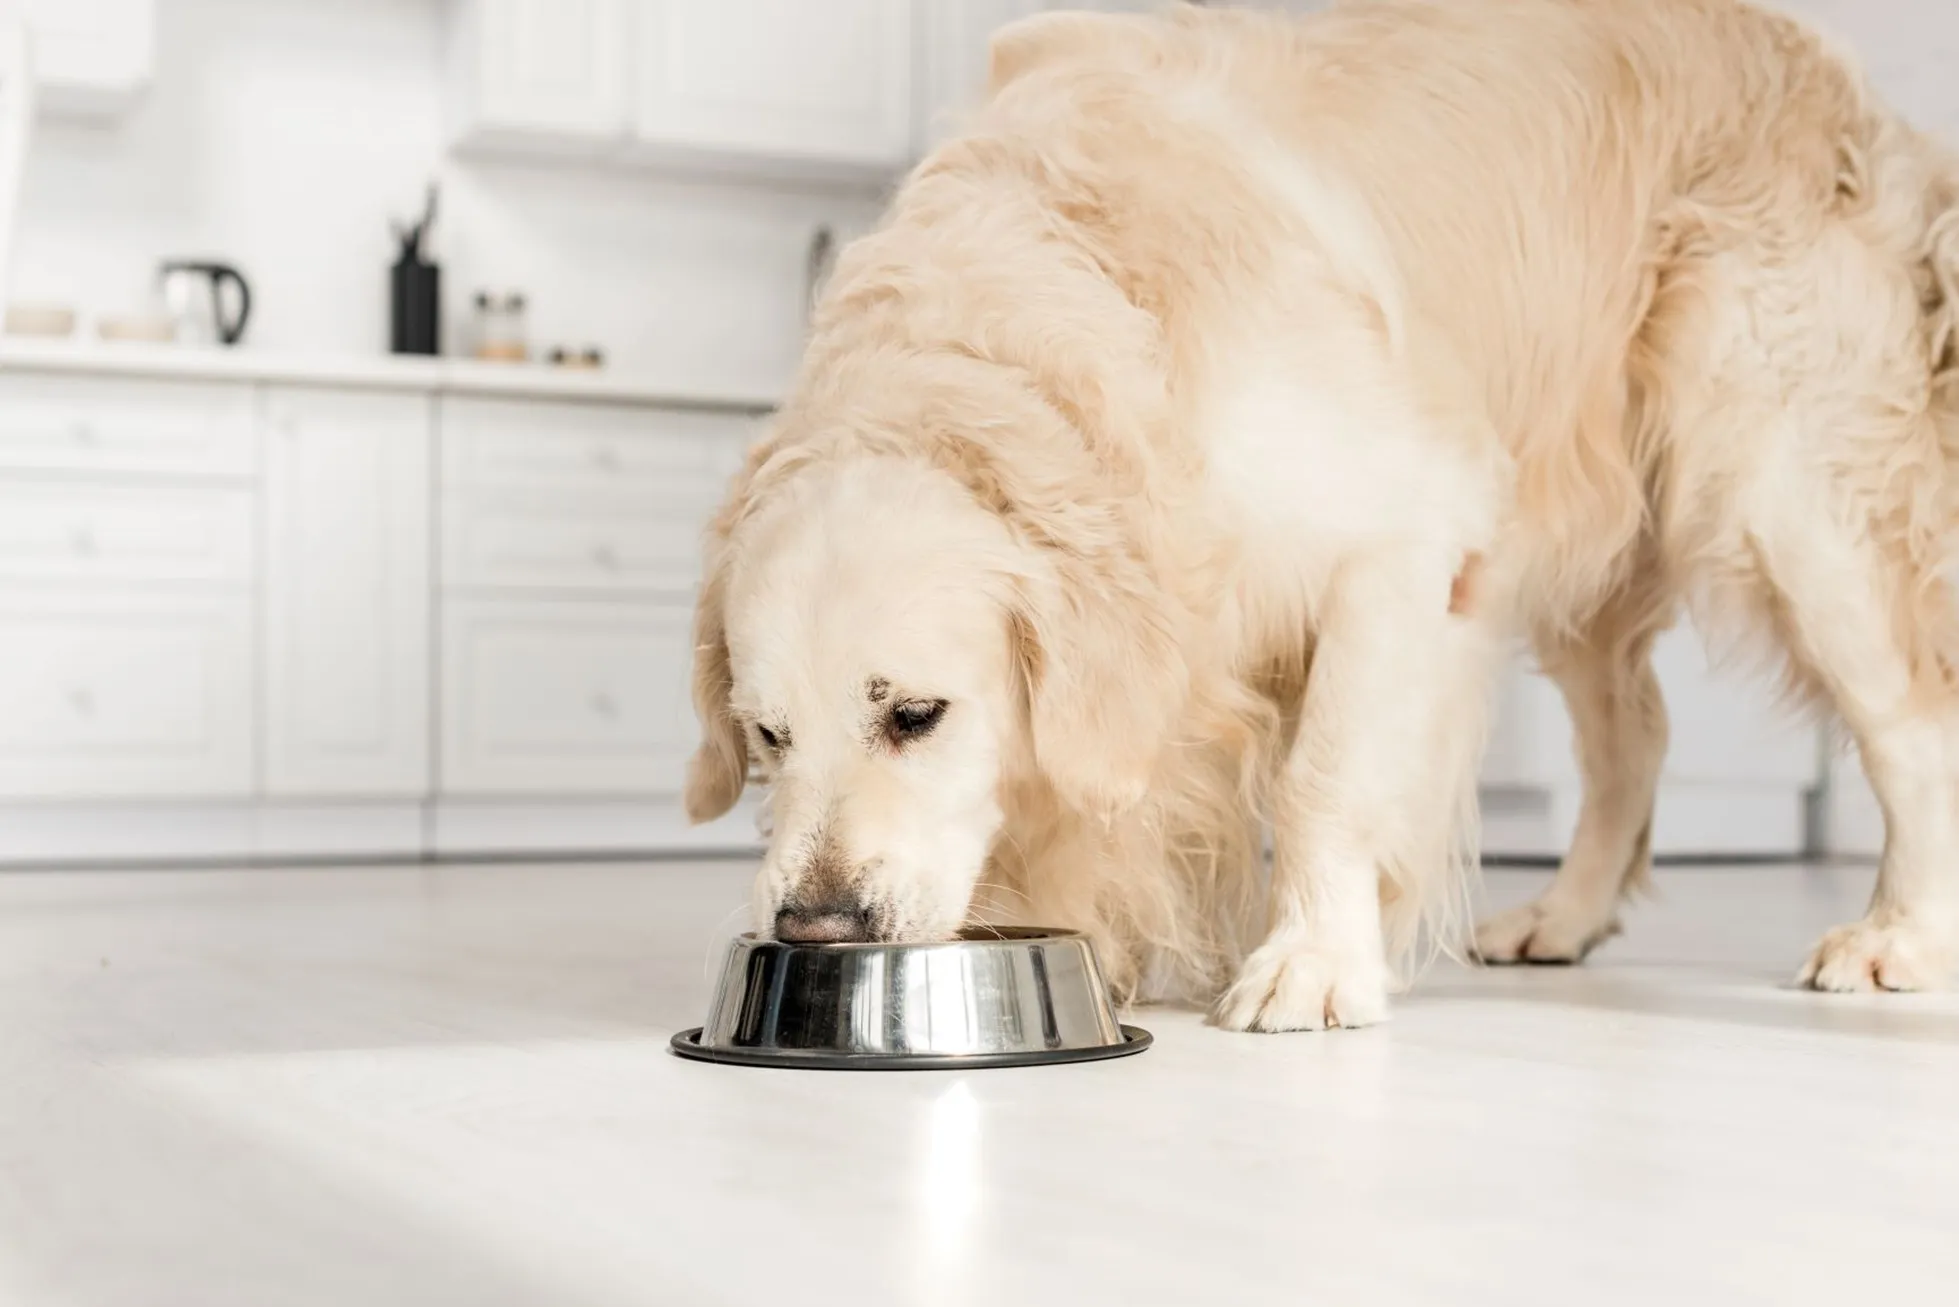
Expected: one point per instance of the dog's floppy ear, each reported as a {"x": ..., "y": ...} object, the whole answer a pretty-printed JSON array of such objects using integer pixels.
[
  {"x": 1104, "y": 678},
  {"x": 719, "y": 768},
  {"x": 718, "y": 771}
]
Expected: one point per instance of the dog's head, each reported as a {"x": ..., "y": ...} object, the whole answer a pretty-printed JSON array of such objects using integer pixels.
[{"x": 895, "y": 656}]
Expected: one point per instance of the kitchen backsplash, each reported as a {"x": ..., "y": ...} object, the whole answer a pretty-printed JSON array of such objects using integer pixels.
[{"x": 282, "y": 135}]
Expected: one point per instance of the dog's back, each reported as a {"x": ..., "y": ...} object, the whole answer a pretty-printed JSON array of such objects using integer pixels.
[{"x": 1393, "y": 332}]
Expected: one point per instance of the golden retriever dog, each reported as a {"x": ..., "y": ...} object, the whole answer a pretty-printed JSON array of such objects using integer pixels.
[{"x": 1202, "y": 427}]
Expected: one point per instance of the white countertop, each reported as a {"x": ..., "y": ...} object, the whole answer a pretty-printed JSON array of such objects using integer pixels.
[{"x": 378, "y": 372}]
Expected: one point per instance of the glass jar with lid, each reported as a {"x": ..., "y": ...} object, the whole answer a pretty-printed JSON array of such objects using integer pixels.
[{"x": 501, "y": 335}]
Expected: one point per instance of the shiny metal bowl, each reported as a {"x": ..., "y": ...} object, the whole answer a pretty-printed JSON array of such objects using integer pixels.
[{"x": 1008, "y": 997}]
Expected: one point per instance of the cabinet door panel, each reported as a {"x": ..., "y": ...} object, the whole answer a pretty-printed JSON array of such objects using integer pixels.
[
  {"x": 783, "y": 79},
  {"x": 66, "y": 532},
  {"x": 542, "y": 71},
  {"x": 348, "y": 594},
  {"x": 565, "y": 698},
  {"x": 115, "y": 694},
  {"x": 92, "y": 424}
]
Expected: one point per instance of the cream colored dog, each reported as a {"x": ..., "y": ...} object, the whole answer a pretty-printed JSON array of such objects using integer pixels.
[{"x": 1223, "y": 348}]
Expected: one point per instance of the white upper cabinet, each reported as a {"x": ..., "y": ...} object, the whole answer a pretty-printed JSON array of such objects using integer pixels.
[
  {"x": 954, "y": 39},
  {"x": 786, "y": 81},
  {"x": 541, "y": 74},
  {"x": 785, "y": 87},
  {"x": 92, "y": 58}
]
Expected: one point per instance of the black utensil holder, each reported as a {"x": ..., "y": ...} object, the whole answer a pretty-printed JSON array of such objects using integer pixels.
[{"x": 417, "y": 305}]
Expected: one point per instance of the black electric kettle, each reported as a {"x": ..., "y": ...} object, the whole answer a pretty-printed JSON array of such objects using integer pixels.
[{"x": 194, "y": 294}]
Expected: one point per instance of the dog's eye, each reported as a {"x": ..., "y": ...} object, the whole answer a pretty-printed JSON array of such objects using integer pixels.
[
  {"x": 915, "y": 718},
  {"x": 776, "y": 743}
]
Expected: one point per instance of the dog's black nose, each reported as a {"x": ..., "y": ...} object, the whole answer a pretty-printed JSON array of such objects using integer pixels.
[{"x": 841, "y": 921}]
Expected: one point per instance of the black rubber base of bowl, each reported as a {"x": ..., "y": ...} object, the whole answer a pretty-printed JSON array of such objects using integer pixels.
[{"x": 687, "y": 1044}]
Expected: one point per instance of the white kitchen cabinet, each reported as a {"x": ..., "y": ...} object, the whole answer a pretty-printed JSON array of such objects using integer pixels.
[
  {"x": 127, "y": 427},
  {"x": 92, "y": 58},
  {"x": 772, "y": 87},
  {"x": 590, "y": 499},
  {"x": 347, "y": 599},
  {"x": 522, "y": 543},
  {"x": 592, "y": 452},
  {"x": 953, "y": 58},
  {"x": 826, "y": 85},
  {"x": 571, "y": 548},
  {"x": 63, "y": 531},
  {"x": 1738, "y": 778},
  {"x": 540, "y": 74},
  {"x": 257, "y": 614},
  {"x": 127, "y": 557},
  {"x": 565, "y": 698},
  {"x": 125, "y": 694}
]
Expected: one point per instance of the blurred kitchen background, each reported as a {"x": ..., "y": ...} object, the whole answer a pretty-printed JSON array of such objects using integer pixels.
[{"x": 372, "y": 366}]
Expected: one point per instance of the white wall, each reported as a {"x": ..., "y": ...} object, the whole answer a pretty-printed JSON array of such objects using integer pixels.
[{"x": 283, "y": 134}]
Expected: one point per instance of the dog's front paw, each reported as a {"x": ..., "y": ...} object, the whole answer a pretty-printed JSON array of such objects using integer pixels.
[
  {"x": 1546, "y": 931},
  {"x": 1869, "y": 955},
  {"x": 1291, "y": 984}
]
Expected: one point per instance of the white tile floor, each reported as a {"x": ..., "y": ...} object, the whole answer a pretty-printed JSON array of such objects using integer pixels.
[{"x": 425, "y": 1087}]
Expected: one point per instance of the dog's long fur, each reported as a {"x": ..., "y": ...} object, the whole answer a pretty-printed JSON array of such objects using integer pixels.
[{"x": 1360, "y": 345}]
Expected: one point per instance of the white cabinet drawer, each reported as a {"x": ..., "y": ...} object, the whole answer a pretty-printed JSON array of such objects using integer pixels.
[
  {"x": 531, "y": 544},
  {"x": 590, "y": 448},
  {"x": 96, "y": 424},
  {"x": 124, "y": 695},
  {"x": 75, "y": 532},
  {"x": 565, "y": 698},
  {"x": 1723, "y": 729}
]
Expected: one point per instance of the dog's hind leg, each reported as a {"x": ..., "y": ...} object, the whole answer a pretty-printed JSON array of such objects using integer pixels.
[
  {"x": 1619, "y": 727},
  {"x": 1867, "y": 626}
]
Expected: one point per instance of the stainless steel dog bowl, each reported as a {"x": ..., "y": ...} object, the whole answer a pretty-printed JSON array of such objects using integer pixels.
[{"x": 989, "y": 998}]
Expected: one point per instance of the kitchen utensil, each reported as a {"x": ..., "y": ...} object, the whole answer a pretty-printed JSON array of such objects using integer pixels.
[
  {"x": 1009, "y": 997},
  {"x": 414, "y": 239},
  {"x": 415, "y": 289},
  {"x": 194, "y": 293}
]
